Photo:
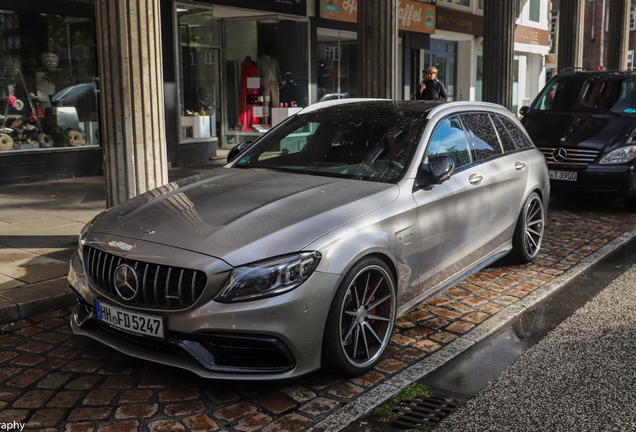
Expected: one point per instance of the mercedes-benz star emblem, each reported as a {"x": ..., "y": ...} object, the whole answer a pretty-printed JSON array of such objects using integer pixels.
[
  {"x": 126, "y": 283},
  {"x": 560, "y": 154},
  {"x": 149, "y": 231}
]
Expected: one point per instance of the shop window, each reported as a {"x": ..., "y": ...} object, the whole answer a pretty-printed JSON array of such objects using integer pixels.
[
  {"x": 535, "y": 10},
  {"x": 199, "y": 46},
  {"x": 49, "y": 87},
  {"x": 337, "y": 64},
  {"x": 458, "y": 2},
  {"x": 266, "y": 74}
]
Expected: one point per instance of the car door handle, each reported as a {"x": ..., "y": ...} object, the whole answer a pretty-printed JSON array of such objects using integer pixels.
[
  {"x": 475, "y": 179},
  {"x": 519, "y": 166}
]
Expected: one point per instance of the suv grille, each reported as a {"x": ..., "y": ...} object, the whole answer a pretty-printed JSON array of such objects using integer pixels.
[
  {"x": 162, "y": 287},
  {"x": 569, "y": 156}
]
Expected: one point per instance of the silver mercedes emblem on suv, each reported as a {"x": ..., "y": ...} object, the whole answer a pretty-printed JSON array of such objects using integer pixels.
[
  {"x": 560, "y": 154},
  {"x": 126, "y": 283}
]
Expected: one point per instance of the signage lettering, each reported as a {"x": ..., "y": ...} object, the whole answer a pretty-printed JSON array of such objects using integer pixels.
[
  {"x": 532, "y": 36},
  {"x": 412, "y": 15}
]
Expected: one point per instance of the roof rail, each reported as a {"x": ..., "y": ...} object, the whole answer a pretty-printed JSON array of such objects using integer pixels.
[{"x": 574, "y": 68}]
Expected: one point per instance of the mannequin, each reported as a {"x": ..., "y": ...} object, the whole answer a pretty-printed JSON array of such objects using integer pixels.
[{"x": 270, "y": 75}]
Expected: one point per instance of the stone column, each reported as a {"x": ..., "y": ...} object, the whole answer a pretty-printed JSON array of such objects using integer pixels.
[
  {"x": 378, "y": 45},
  {"x": 571, "y": 21},
  {"x": 618, "y": 34},
  {"x": 499, "y": 32},
  {"x": 131, "y": 97}
]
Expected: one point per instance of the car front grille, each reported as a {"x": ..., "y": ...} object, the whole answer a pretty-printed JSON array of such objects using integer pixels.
[
  {"x": 569, "y": 155},
  {"x": 158, "y": 286}
]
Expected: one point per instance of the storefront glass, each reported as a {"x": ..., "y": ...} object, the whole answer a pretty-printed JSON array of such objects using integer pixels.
[
  {"x": 266, "y": 73},
  {"x": 458, "y": 2},
  {"x": 49, "y": 85},
  {"x": 337, "y": 64},
  {"x": 199, "y": 73}
]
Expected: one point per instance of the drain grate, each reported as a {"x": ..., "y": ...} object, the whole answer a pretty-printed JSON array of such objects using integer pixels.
[{"x": 425, "y": 411}]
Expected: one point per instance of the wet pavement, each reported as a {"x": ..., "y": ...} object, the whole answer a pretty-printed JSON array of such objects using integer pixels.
[
  {"x": 471, "y": 371},
  {"x": 579, "y": 377},
  {"x": 54, "y": 380}
]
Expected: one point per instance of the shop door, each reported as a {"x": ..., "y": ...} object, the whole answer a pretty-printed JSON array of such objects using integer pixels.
[{"x": 443, "y": 55}]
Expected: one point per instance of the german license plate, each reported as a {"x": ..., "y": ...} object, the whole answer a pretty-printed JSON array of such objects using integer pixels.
[
  {"x": 142, "y": 324},
  {"x": 563, "y": 175}
]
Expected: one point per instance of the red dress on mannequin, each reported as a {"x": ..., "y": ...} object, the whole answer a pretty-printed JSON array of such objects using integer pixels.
[{"x": 246, "y": 112}]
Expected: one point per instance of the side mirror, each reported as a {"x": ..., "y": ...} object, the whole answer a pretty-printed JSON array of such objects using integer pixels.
[
  {"x": 436, "y": 171},
  {"x": 524, "y": 110},
  {"x": 237, "y": 150}
]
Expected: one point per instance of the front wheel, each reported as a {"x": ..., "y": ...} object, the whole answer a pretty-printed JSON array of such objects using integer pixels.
[
  {"x": 528, "y": 235},
  {"x": 361, "y": 317}
]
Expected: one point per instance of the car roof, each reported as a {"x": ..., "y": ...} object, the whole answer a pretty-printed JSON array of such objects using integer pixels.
[
  {"x": 596, "y": 73},
  {"x": 394, "y": 108}
]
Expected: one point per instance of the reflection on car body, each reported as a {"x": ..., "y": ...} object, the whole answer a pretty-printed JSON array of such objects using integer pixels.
[
  {"x": 584, "y": 121},
  {"x": 306, "y": 247}
]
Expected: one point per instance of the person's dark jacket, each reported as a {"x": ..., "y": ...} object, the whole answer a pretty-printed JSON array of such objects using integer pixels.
[
  {"x": 291, "y": 92},
  {"x": 434, "y": 90}
]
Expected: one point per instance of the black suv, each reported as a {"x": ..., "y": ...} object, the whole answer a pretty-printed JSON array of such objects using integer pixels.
[{"x": 584, "y": 122}]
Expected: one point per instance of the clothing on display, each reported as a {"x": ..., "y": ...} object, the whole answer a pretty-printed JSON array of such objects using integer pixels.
[
  {"x": 271, "y": 77},
  {"x": 247, "y": 95},
  {"x": 291, "y": 92}
]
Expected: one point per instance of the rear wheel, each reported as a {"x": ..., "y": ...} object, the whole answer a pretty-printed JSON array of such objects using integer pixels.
[
  {"x": 360, "y": 319},
  {"x": 528, "y": 235}
]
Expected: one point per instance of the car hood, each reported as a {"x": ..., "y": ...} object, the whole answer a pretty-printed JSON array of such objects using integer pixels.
[
  {"x": 585, "y": 130},
  {"x": 243, "y": 216}
]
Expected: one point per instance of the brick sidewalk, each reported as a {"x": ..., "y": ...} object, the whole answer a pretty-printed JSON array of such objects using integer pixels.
[{"x": 54, "y": 380}]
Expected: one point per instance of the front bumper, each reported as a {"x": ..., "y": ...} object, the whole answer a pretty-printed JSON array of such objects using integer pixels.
[
  {"x": 274, "y": 338},
  {"x": 603, "y": 180}
]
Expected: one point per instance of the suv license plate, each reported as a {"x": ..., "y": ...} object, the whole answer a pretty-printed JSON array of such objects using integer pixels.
[
  {"x": 563, "y": 175},
  {"x": 142, "y": 324}
]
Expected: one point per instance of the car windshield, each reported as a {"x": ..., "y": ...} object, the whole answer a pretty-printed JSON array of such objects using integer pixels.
[
  {"x": 582, "y": 92},
  {"x": 364, "y": 147}
]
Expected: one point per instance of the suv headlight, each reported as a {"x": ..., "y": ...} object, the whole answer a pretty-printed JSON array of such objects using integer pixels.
[
  {"x": 619, "y": 156},
  {"x": 269, "y": 279}
]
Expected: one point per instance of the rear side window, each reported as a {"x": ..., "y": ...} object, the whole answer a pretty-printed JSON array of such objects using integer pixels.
[
  {"x": 520, "y": 138},
  {"x": 484, "y": 142},
  {"x": 449, "y": 139},
  {"x": 507, "y": 142}
]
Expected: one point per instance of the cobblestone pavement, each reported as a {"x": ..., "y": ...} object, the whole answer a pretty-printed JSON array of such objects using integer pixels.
[{"x": 52, "y": 380}]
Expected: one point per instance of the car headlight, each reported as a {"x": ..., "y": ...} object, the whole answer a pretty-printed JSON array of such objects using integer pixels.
[
  {"x": 618, "y": 156},
  {"x": 84, "y": 232},
  {"x": 269, "y": 279}
]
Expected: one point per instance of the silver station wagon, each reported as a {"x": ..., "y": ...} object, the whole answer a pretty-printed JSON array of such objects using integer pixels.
[{"x": 304, "y": 249}]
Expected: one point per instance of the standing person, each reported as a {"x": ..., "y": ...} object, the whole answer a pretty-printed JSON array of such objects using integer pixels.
[
  {"x": 420, "y": 90},
  {"x": 434, "y": 90}
]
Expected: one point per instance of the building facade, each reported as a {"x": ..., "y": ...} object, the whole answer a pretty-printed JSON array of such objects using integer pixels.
[{"x": 232, "y": 69}]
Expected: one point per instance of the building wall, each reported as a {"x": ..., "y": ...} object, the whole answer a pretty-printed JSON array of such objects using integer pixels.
[{"x": 595, "y": 32}]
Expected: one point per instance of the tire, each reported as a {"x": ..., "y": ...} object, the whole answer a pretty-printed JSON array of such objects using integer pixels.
[
  {"x": 360, "y": 320},
  {"x": 528, "y": 235},
  {"x": 630, "y": 204}
]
